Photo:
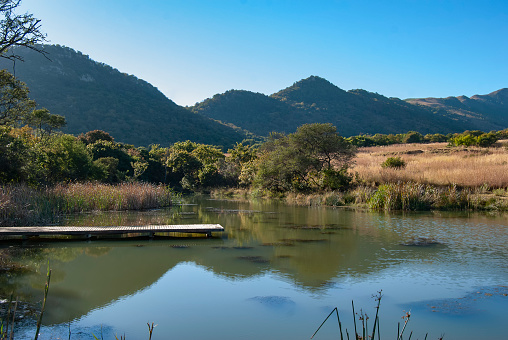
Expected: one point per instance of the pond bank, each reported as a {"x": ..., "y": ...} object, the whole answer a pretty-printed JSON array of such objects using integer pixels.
[{"x": 402, "y": 196}]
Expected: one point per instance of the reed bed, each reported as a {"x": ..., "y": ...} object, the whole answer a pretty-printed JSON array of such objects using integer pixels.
[
  {"x": 407, "y": 196},
  {"x": 23, "y": 205},
  {"x": 435, "y": 164},
  {"x": 419, "y": 197}
]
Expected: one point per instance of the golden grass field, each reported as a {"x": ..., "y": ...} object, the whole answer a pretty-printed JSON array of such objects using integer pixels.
[{"x": 436, "y": 164}]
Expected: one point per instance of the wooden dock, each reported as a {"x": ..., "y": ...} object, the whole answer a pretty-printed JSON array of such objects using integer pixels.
[{"x": 89, "y": 232}]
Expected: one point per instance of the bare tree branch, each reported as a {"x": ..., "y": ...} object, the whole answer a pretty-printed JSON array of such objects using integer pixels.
[{"x": 18, "y": 30}]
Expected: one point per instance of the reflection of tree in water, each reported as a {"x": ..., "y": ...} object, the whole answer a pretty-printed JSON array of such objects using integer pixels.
[
  {"x": 312, "y": 247},
  {"x": 17, "y": 264},
  {"x": 10, "y": 271}
]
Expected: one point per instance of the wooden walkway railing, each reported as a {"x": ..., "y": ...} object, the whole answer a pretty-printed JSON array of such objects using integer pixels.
[{"x": 88, "y": 232}]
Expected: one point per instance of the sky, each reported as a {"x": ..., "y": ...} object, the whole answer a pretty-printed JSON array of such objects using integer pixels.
[{"x": 193, "y": 49}]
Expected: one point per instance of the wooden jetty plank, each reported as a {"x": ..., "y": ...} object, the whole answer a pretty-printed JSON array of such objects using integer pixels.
[{"x": 73, "y": 230}]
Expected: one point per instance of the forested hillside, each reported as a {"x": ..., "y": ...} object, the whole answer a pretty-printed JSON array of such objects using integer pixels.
[
  {"x": 316, "y": 100},
  {"x": 92, "y": 95}
]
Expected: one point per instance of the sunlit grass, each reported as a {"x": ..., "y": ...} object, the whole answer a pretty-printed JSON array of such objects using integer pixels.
[{"x": 435, "y": 164}]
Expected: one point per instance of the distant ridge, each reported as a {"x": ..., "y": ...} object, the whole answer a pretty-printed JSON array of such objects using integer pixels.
[
  {"x": 316, "y": 100},
  {"x": 492, "y": 107},
  {"x": 93, "y": 95}
]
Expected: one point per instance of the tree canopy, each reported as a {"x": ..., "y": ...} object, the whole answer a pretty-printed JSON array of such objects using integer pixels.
[
  {"x": 315, "y": 156},
  {"x": 15, "y": 105}
]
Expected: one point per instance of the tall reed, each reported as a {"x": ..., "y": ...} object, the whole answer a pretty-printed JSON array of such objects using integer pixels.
[
  {"x": 416, "y": 196},
  {"x": 363, "y": 333},
  {"x": 23, "y": 205}
]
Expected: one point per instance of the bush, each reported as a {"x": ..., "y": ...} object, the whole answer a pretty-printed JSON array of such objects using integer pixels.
[
  {"x": 413, "y": 137},
  {"x": 394, "y": 163},
  {"x": 474, "y": 138},
  {"x": 335, "y": 179}
]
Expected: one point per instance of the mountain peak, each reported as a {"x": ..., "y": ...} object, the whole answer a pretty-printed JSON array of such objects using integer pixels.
[
  {"x": 309, "y": 89},
  {"x": 314, "y": 80}
]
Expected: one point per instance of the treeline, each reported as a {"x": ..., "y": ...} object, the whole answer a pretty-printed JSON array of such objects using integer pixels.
[
  {"x": 26, "y": 156},
  {"x": 313, "y": 158},
  {"x": 466, "y": 138}
]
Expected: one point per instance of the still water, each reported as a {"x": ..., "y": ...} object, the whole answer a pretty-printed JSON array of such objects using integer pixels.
[{"x": 276, "y": 273}]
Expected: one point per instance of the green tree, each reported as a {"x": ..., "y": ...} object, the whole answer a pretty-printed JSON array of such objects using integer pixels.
[
  {"x": 315, "y": 156},
  {"x": 45, "y": 122},
  {"x": 195, "y": 166},
  {"x": 102, "y": 148},
  {"x": 93, "y": 136},
  {"x": 236, "y": 167},
  {"x": 241, "y": 154},
  {"x": 381, "y": 139},
  {"x": 66, "y": 159},
  {"x": 487, "y": 139},
  {"x": 322, "y": 145},
  {"x": 361, "y": 140},
  {"x": 474, "y": 138},
  {"x": 463, "y": 139},
  {"x": 157, "y": 170},
  {"x": 435, "y": 138},
  {"x": 15, "y": 106},
  {"x": 208, "y": 154},
  {"x": 17, "y": 156},
  {"x": 185, "y": 167},
  {"x": 105, "y": 169}
]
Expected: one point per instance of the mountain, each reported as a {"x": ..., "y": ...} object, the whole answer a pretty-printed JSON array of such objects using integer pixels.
[
  {"x": 93, "y": 95},
  {"x": 492, "y": 107},
  {"x": 254, "y": 112},
  {"x": 316, "y": 100}
]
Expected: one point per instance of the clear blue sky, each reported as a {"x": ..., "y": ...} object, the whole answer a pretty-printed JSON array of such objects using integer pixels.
[{"x": 193, "y": 49}]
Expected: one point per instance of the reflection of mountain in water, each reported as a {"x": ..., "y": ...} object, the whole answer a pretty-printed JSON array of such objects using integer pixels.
[{"x": 312, "y": 247}]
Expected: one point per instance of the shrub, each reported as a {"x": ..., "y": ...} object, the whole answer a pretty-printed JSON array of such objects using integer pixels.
[
  {"x": 334, "y": 199},
  {"x": 394, "y": 163},
  {"x": 474, "y": 138},
  {"x": 413, "y": 137},
  {"x": 336, "y": 179}
]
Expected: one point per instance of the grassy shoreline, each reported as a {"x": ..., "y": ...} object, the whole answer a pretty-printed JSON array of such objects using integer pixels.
[
  {"x": 402, "y": 196},
  {"x": 21, "y": 205},
  {"x": 434, "y": 177}
]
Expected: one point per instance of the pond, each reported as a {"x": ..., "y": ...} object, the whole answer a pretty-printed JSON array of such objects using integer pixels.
[{"x": 275, "y": 273}]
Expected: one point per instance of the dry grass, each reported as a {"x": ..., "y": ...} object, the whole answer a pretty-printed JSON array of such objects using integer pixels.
[
  {"x": 435, "y": 164},
  {"x": 80, "y": 197},
  {"x": 22, "y": 205}
]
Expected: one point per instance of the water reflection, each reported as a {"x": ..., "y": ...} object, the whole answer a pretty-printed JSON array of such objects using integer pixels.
[{"x": 318, "y": 250}]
